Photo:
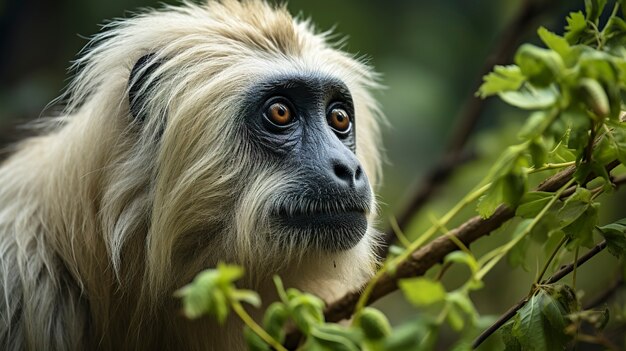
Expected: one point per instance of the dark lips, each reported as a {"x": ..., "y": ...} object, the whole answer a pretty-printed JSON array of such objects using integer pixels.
[
  {"x": 326, "y": 230},
  {"x": 351, "y": 218}
]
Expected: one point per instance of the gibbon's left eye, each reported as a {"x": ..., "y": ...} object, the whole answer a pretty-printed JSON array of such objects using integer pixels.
[{"x": 339, "y": 120}]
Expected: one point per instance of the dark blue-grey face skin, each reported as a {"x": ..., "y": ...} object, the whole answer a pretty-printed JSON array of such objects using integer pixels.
[{"x": 305, "y": 126}]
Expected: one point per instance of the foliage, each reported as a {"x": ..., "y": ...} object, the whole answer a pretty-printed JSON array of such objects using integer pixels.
[
  {"x": 573, "y": 89},
  {"x": 540, "y": 324}
]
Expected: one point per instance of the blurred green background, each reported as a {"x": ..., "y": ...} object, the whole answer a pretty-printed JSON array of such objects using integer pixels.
[{"x": 430, "y": 55}]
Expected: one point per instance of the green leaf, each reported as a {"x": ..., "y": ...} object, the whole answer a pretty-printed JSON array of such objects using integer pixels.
[
  {"x": 454, "y": 318},
  {"x": 535, "y": 125},
  {"x": 422, "y": 291},
  {"x": 565, "y": 295},
  {"x": 548, "y": 224},
  {"x": 595, "y": 97},
  {"x": 575, "y": 206},
  {"x": 247, "y": 296},
  {"x": 334, "y": 337},
  {"x": 197, "y": 296},
  {"x": 503, "y": 78},
  {"x": 580, "y": 231},
  {"x": 513, "y": 188},
  {"x": 615, "y": 140},
  {"x": 509, "y": 181},
  {"x": 511, "y": 343},
  {"x": 396, "y": 250},
  {"x": 539, "y": 325},
  {"x": 532, "y": 203},
  {"x": 530, "y": 98},
  {"x": 511, "y": 160},
  {"x": 593, "y": 9},
  {"x": 517, "y": 255},
  {"x": 540, "y": 66},
  {"x": 196, "y": 300},
  {"x": 554, "y": 42},
  {"x": 220, "y": 306},
  {"x": 620, "y": 65},
  {"x": 561, "y": 153},
  {"x": 227, "y": 273},
  {"x": 615, "y": 32},
  {"x": 606, "y": 150},
  {"x": 461, "y": 300},
  {"x": 411, "y": 336},
  {"x": 374, "y": 324},
  {"x": 462, "y": 345},
  {"x": 598, "y": 65},
  {"x": 578, "y": 124},
  {"x": 274, "y": 320},
  {"x": 492, "y": 198},
  {"x": 306, "y": 310},
  {"x": 463, "y": 258},
  {"x": 254, "y": 342},
  {"x": 521, "y": 227},
  {"x": 576, "y": 26},
  {"x": 538, "y": 152},
  {"x": 211, "y": 292},
  {"x": 553, "y": 313},
  {"x": 615, "y": 236}
]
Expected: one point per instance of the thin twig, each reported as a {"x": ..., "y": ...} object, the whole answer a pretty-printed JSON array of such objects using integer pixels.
[
  {"x": 553, "y": 279},
  {"x": 510, "y": 313},
  {"x": 617, "y": 181},
  {"x": 435, "y": 251},
  {"x": 570, "y": 267},
  {"x": 472, "y": 109}
]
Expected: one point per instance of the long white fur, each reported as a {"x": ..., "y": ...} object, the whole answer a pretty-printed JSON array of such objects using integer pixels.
[{"x": 101, "y": 219}]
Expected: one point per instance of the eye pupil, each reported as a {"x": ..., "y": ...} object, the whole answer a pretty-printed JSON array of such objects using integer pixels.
[
  {"x": 279, "y": 113},
  {"x": 339, "y": 120}
]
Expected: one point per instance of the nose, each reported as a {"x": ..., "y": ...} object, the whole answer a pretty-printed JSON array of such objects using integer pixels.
[{"x": 347, "y": 172}]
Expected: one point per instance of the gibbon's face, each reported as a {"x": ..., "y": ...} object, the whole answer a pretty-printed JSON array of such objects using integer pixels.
[
  {"x": 265, "y": 148},
  {"x": 305, "y": 125}
]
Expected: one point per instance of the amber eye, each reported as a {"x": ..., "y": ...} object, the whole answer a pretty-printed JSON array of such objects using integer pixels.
[
  {"x": 339, "y": 120},
  {"x": 279, "y": 114}
]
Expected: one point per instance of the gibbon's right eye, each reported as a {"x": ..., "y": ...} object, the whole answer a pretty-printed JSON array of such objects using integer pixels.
[{"x": 279, "y": 114}]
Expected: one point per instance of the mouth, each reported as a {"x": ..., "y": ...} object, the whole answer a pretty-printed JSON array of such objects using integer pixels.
[
  {"x": 304, "y": 219},
  {"x": 329, "y": 230}
]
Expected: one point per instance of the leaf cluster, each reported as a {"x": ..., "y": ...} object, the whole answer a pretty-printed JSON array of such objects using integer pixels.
[
  {"x": 213, "y": 291},
  {"x": 573, "y": 88}
]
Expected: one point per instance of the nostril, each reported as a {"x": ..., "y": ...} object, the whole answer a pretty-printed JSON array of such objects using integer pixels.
[
  {"x": 358, "y": 173},
  {"x": 343, "y": 172}
]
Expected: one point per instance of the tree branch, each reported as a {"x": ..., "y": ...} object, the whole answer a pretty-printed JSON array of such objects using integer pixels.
[
  {"x": 617, "y": 181},
  {"x": 553, "y": 279},
  {"x": 472, "y": 108},
  {"x": 434, "y": 252}
]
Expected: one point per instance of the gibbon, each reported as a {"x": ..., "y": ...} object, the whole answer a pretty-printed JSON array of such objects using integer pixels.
[{"x": 195, "y": 134}]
